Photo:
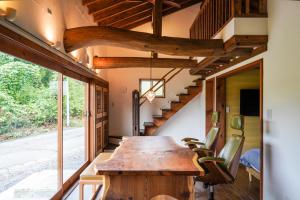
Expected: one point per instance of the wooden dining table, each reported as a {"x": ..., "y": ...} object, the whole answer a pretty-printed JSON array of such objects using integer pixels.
[{"x": 149, "y": 168}]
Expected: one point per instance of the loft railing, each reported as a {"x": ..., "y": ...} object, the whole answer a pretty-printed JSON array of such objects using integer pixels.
[{"x": 215, "y": 14}]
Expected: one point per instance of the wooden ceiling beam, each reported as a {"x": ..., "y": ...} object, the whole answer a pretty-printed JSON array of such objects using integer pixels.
[
  {"x": 238, "y": 48},
  {"x": 166, "y": 11},
  {"x": 80, "y": 37},
  {"x": 119, "y": 12},
  {"x": 101, "y": 6},
  {"x": 211, "y": 60},
  {"x": 157, "y": 17},
  {"x": 130, "y": 62}
]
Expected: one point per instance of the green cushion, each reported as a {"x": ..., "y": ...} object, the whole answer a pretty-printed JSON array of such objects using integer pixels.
[
  {"x": 237, "y": 122},
  {"x": 215, "y": 118},
  {"x": 230, "y": 149},
  {"x": 211, "y": 137}
]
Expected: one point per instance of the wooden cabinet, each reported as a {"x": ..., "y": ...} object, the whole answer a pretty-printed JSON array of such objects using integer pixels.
[{"x": 102, "y": 128}]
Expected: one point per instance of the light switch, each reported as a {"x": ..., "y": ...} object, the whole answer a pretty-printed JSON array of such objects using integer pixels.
[{"x": 227, "y": 109}]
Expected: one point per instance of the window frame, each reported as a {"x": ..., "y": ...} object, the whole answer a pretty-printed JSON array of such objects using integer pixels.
[
  {"x": 154, "y": 79},
  {"x": 16, "y": 44}
]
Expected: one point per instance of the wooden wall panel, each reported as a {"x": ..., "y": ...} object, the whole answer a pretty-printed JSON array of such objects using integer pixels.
[
  {"x": 210, "y": 99},
  {"x": 244, "y": 80},
  {"x": 220, "y": 107}
]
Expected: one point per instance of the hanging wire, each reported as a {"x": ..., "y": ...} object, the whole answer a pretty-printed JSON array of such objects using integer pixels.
[{"x": 151, "y": 63}]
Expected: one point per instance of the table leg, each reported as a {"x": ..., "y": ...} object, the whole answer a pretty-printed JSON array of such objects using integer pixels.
[
  {"x": 149, "y": 187},
  {"x": 81, "y": 191}
]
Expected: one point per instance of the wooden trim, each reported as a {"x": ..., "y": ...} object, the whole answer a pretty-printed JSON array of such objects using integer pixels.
[
  {"x": 21, "y": 47},
  {"x": 253, "y": 65},
  {"x": 261, "y": 67},
  {"x": 256, "y": 64},
  {"x": 92, "y": 120},
  {"x": 209, "y": 111},
  {"x": 60, "y": 130}
]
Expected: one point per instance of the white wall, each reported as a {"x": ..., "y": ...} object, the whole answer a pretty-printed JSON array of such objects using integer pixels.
[
  {"x": 121, "y": 84},
  {"x": 33, "y": 16},
  {"x": 124, "y": 81},
  {"x": 187, "y": 122},
  {"x": 281, "y": 104}
]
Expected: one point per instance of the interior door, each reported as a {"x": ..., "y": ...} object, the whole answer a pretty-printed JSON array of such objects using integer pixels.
[
  {"x": 221, "y": 108},
  {"x": 210, "y": 99}
]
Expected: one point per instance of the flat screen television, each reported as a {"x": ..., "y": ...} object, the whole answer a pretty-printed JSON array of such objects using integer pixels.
[{"x": 249, "y": 102}]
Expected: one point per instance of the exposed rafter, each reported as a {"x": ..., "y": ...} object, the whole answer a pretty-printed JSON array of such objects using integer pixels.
[
  {"x": 113, "y": 15},
  {"x": 110, "y": 13},
  {"x": 76, "y": 38},
  {"x": 103, "y": 5},
  {"x": 128, "y": 62}
]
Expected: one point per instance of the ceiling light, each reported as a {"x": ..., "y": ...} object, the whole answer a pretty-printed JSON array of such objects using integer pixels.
[
  {"x": 9, "y": 14},
  {"x": 151, "y": 94},
  {"x": 237, "y": 57},
  {"x": 231, "y": 60}
]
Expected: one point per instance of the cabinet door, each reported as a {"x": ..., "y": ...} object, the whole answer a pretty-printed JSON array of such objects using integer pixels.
[
  {"x": 105, "y": 132},
  {"x": 99, "y": 137}
]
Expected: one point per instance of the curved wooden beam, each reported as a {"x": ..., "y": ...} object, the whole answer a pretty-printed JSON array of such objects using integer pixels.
[
  {"x": 76, "y": 38},
  {"x": 129, "y": 62}
]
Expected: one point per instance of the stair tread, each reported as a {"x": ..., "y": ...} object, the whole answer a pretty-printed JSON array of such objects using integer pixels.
[
  {"x": 198, "y": 79},
  {"x": 192, "y": 86},
  {"x": 157, "y": 116},
  {"x": 166, "y": 109},
  {"x": 183, "y": 94},
  {"x": 149, "y": 124},
  {"x": 175, "y": 101}
]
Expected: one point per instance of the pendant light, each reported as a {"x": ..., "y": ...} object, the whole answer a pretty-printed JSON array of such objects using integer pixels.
[{"x": 151, "y": 94}]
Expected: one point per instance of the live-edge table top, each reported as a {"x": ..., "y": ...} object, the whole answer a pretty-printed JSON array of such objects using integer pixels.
[{"x": 150, "y": 155}]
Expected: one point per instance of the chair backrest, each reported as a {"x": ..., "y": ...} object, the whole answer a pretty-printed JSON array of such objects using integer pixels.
[
  {"x": 233, "y": 147},
  {"x": 213, "y": 132}
]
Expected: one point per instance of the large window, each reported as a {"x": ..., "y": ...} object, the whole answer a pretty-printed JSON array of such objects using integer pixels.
[
  {"x": 42, "y": 129},
  {"x": 75, "y": 123},
  {"x": 146, "y": 84}
]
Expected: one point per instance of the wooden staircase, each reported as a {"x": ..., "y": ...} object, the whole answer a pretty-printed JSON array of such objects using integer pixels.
[{"x": 158, "y": 120}]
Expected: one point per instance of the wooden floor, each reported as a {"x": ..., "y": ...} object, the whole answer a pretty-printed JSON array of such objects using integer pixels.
[{"x": 242, "y": 189}]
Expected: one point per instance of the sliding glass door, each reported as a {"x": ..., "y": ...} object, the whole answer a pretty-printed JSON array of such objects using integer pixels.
[
  {"x": 28, "y": 130},
  {"x": 43, "y": 129},
  {"x": 74, "y": 126}
]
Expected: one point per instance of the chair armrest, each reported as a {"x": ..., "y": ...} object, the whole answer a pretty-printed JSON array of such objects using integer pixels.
[
  {"x": 202, "y": 149},
  {"x": 211, "y": 159},
  {"x": 194, "y": 142},
  {"x": 189, "y": 139}
]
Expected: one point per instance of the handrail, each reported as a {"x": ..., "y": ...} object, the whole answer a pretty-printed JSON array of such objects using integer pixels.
[
  {"x": 158, "y": 82},
  {"x": 215, "y": 14},
  {"x": 164, "y": 84}
]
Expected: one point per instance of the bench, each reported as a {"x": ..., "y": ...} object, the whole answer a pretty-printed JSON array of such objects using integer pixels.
[{"x": 89, "y": 176}]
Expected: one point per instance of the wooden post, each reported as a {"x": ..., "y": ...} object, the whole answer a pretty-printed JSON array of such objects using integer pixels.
[{"x": 135, "y": 113}]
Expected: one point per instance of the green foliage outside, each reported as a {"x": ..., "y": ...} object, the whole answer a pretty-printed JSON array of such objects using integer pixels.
[{"x": 28, "y": 96}]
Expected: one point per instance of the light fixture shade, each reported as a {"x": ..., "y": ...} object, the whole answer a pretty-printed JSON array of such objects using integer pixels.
[{"x": 150, "y": 96}]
